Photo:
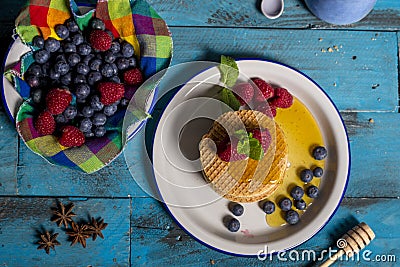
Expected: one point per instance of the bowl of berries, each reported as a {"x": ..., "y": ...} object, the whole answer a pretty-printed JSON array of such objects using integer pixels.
[{"x": 72, "y": 75}]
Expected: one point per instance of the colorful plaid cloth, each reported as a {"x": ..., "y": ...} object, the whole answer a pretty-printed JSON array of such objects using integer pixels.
[{"x": 134, "y": 21}]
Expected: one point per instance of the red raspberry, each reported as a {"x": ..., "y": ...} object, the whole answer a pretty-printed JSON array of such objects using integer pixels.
[
  {"x": 100, "y": 40},
  {"x": 45, "y": 123},
  {"x": 110, "y": 92},
  {"x": 266, "y": 91},
  {"x": 282, "y": 99},
  {"x": 133, "y": 76},
  {"x": 57, "y": 100},
  {"x": 263, "y": 136},
  {"x": 244, "y": 92},
  {"x": 230, "y": 152},
  {"x": 266, "y": 108},
  {"x": 71, "y": 137}
]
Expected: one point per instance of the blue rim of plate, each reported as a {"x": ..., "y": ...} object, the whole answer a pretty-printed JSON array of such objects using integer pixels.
[
  {"x": 11, "y": 117},
  {"x": 332, "y": 214}
]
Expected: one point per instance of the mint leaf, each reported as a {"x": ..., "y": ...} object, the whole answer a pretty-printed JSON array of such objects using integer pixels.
[
  {"x": 256, "y": 150},
  {"x": 229, "y": 98},
  {"x": 243, "y": 146},
  {"x": 241, "y": 134},
  {"x": 229, "y": 71}
]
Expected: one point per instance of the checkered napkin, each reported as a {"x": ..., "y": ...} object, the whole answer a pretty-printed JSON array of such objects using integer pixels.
[{"x": 132, "y": 20}]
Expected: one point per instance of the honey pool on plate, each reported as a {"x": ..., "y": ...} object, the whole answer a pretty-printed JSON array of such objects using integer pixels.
[{"x": 302, "y": 135}]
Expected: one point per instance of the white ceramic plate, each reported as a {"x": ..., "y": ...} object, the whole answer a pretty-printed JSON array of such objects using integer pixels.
[{"x": 199, "y": 210}]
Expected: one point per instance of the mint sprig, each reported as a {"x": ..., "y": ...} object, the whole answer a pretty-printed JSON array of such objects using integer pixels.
[
  {"x": 249, "y": 145},
  {"x": 229, "y": 75},
  {"x": 229, "y": 71}
]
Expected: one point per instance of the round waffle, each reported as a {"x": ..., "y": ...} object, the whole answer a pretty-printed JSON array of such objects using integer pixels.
[{"x": 244, "y": 180}]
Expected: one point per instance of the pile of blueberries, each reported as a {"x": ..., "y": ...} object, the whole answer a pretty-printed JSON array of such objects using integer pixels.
[
  {"x": 285, "y": 204},
  {"x": 72, "y": 63}
]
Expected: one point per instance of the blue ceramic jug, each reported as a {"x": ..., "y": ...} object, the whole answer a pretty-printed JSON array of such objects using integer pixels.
[{"x": 340, "y": 12}]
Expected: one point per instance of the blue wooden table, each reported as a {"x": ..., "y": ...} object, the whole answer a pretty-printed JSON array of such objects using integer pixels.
[{"x": 359, "y": 72}]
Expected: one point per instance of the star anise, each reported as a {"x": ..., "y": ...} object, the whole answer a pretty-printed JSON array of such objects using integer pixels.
[
  {"x": 63, "y": 215},
  {"x": 48, "y": 241},
  {"x": 79, "y": 233},
  {"x": 96, "y": 226}
]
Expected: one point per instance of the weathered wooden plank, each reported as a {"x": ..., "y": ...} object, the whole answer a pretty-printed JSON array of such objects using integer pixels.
[
  {"x": 374, "y": 164},
  {"x": 359, "y": 74},
  {"x": 8, "y": 155},
  {"x": 371, "y": 145},
  {"x": 155, "y": 237},
  {"x": 242, "y": 13},
  {"x": 36, "y": 177},
  {"x": 22, "y": 218}
]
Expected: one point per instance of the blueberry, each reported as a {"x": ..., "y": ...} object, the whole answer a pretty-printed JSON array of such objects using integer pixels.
[
  {"x": 87, "y": 111},
  {"x": 318, "y": 171},
  {"x": 54, "y": 75},
  {"x": 115, "y": 47},
  {"x": 32, "y": 81},
  {"x": 62, "y": 67},
  {"x": 107, "y": 70},
  {"x": 60, "y": 57},
  {"x": 127, "y": 49},
  {"x": 297, "y": 193},
  {"x": 269, "y": 207},
  {"x": 60, "y": 118},
  {"x": 82, "y": 68},
  {"x": 124, "y": 102},
  {"x": 100, "y": 131},
  {"x": 79, "y": 78},
  {"x": 61, "y": 31},
  {"x": 52, "y": 44},
  {"x": 93, "y": 77},
  {"x": 99, "y": 119},
  {"x": 85, "y": 125},
  {"x": 38, "y": 41},
  {"x": 110, "y": 110},
  {"x": 292, "y": 217},
  {"x": 71, "y": 25},
  {"x": 41, "y": 56},
  {"x": 109, "y": 57},
  {"x": 122, "y": 63},
  {"x": 306, "y": 175},
  {"x": 46, "y": 68},
  {"x": 312, "y": 191},
  {"x": 237, "y": 209},
  {"x": 132, "y": 62},
  {"x": 115, "y": 79},
  {"x": 99, "y": 56},
  {"x": 37, "y": 95},
  {"x": 88, "y": 134},
  {"x": 88, "y": 58},
  {"x": 95, "y": 64},
  {"x": 285, "y": 204},
  {"x": 97, "y": 24},
  {"x": 300, "y": 204},
  {"x": 96, "y": 104},
  {"x": 84, "y": 49},
  {"x": 73, "y": 59},
  {"x": 66, "y": 79},
  {"x": 34, "y": 69},
  {"x": 69, "y": 48},
  {"x": 233, "y": 225},
  {"x": 77, "y": 39},
  {"x": 70, "y": 112},
  {"x": 319, "y": 153},
  {"x": 114, "y": 67},
  {"x": 82, "y": 91}
]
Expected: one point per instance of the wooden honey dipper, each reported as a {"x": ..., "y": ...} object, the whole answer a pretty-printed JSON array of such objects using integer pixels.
[{"x": 352, "y": 242}]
